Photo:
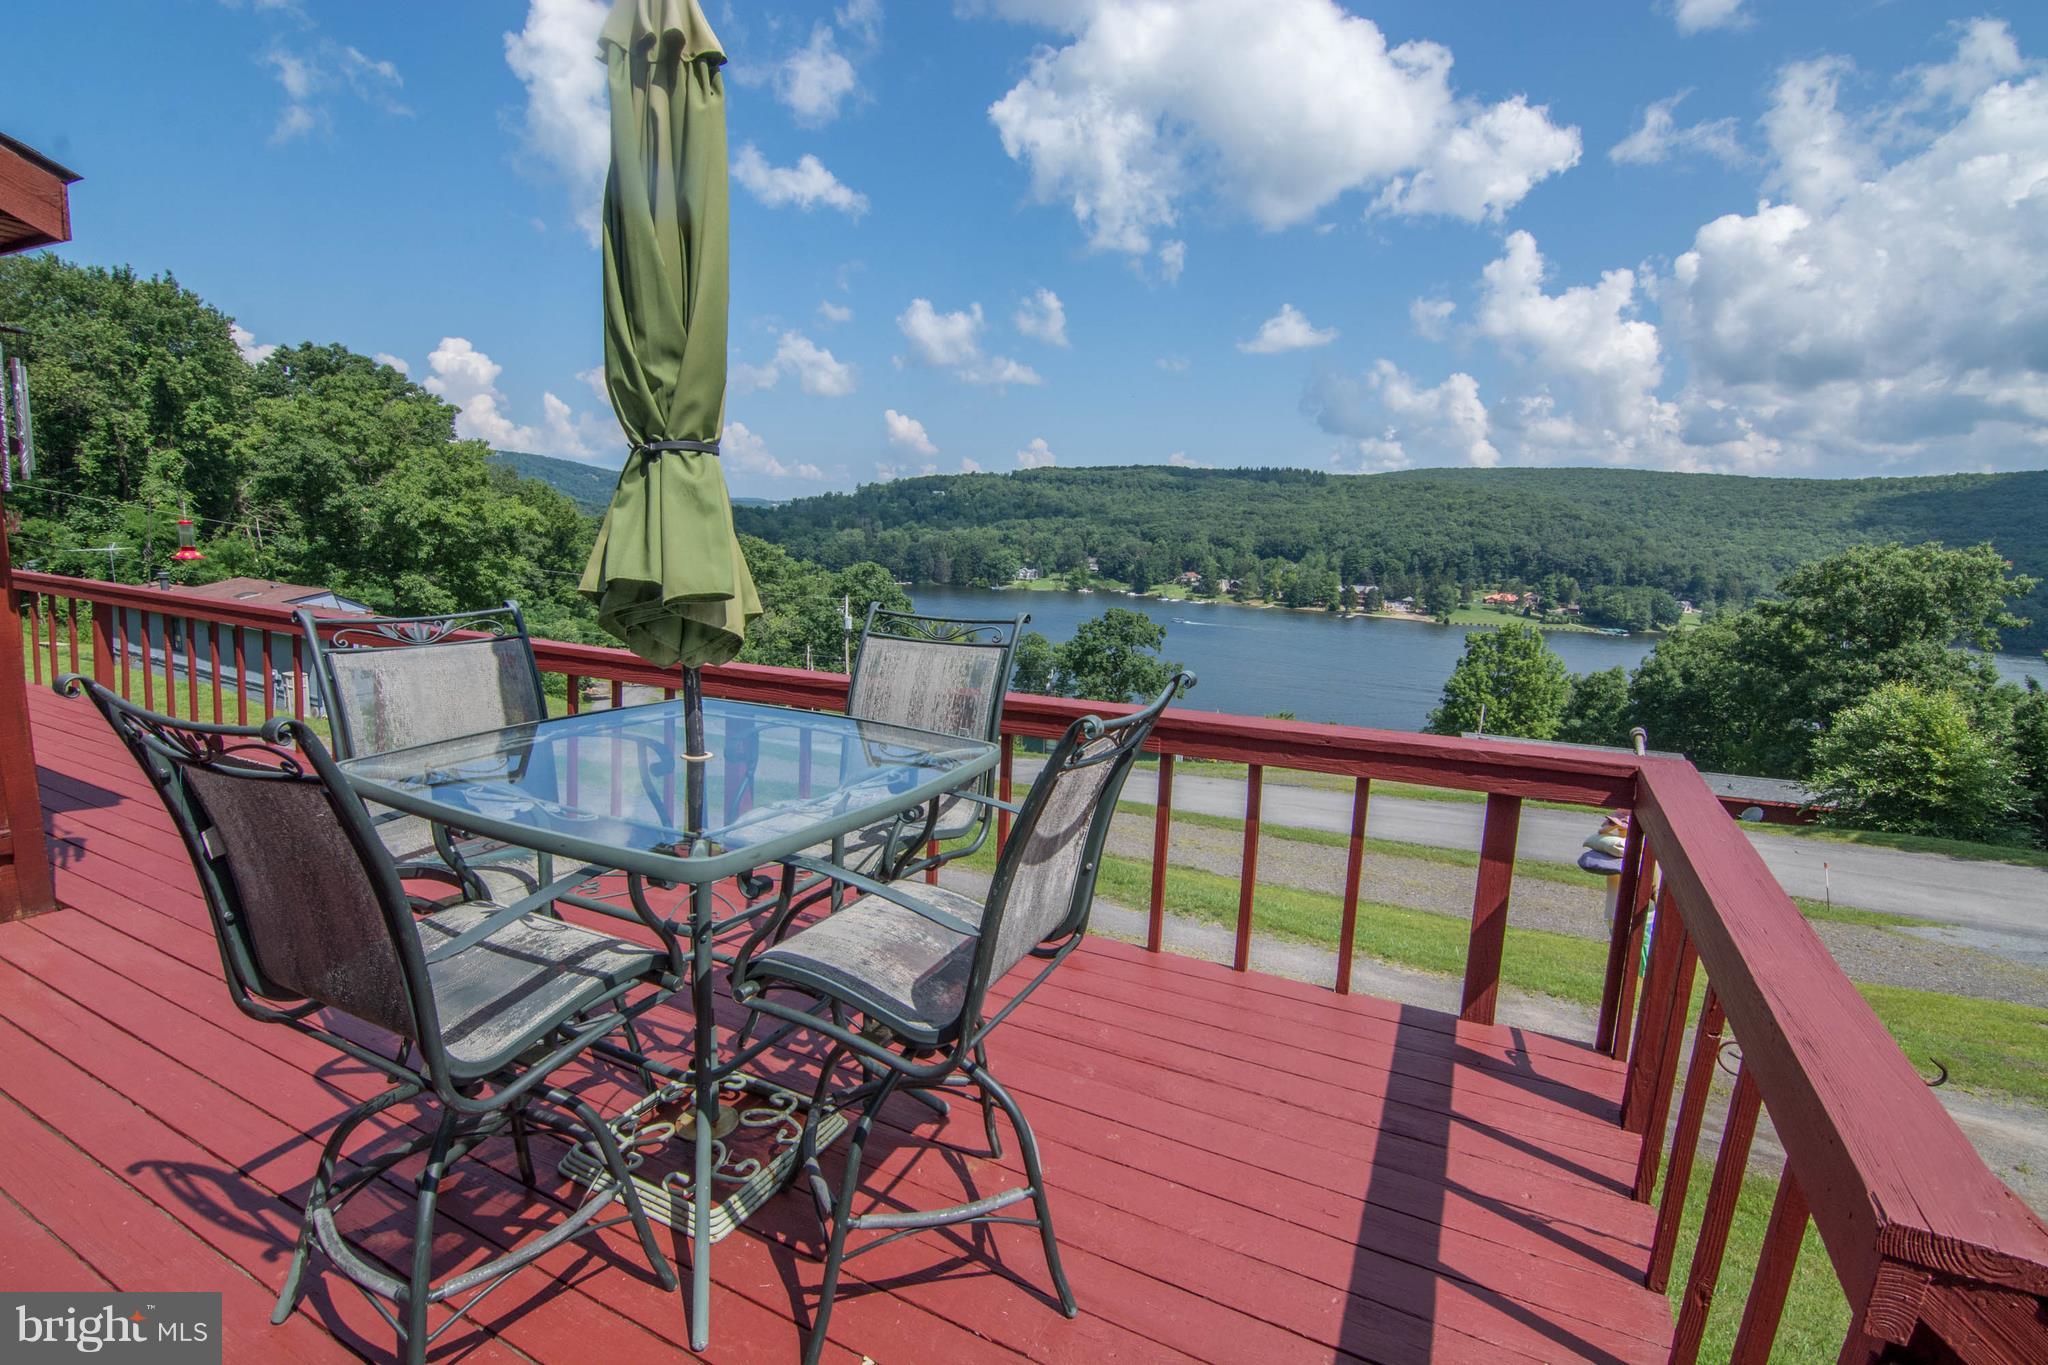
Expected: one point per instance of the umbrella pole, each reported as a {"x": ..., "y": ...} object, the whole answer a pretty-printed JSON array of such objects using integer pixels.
[{"x": 694, "y": 757}]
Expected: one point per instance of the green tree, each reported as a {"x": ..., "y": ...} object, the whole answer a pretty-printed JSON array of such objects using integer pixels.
[
  {"x": 1032, "y": 668},
  {"x": 1442, "y": 600},
  {"x": 1114, "y": 657},
  {"x": 1751, "y": 691},
  {"x": 1597, "y": 711},
  {"x": 1911, "y": 760},
  {"x": 1509, "y": 672},
  {"x": 1077, "y": 579},
  {"x": 2030, "y": 753}
]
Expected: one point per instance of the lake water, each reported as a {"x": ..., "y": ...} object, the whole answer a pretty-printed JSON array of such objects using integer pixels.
[{"x": 1258, "y": 660}]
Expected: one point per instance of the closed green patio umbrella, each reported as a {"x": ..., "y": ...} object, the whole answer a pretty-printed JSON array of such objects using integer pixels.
[{"x": 667, "y": 571}]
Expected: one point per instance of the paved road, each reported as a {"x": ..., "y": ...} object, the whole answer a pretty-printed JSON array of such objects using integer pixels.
[{"x": 1996, "y": 907}]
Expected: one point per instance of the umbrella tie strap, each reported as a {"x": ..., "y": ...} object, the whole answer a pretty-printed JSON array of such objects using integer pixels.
[{"x": 657, "y": 447}]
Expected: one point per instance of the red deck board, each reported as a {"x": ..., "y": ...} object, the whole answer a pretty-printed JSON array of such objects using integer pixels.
[{"x": 1400, "y": 1186}]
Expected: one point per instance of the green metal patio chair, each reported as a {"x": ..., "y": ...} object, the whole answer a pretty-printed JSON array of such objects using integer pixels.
[
  {"x": 393, "y": 682},
  {"x": 310, "y": 916},
  {"x": 916, "y": 966},
  {"x": 944, "y": 674}
]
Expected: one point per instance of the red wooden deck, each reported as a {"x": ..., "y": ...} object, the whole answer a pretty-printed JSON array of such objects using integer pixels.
[{"x": 1405, "y": 1187}]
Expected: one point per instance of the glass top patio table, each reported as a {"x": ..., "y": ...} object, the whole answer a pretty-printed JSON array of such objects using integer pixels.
[{"x": 609, "y": 786}]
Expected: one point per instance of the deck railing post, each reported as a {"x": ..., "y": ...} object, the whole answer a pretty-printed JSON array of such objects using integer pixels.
[
  {"x": 1692, "y": 1109},
  {"x": 1354, "y": 871},
  {"x": 1490, "y": 907},
  {"x": 1162, "y": 828},
  {"x": 1248, "y": 879},
  {"x": 1720, "y": 1212}
]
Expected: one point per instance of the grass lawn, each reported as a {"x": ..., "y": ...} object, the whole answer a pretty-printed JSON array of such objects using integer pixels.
[{"x": 1915, "y": 843}]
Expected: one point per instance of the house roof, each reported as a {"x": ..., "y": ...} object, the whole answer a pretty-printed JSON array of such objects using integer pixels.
[
  {"x": 263, "y": 591},
  {"x": 35, "y": 207}
]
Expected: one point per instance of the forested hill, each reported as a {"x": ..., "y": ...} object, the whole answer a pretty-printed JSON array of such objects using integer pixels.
[
  {"x": 1716, "y": 539},
  {"x": 589, "y": 486}
]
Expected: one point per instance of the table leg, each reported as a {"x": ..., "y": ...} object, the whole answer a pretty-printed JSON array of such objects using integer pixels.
[{"x": 703, "y": 998}]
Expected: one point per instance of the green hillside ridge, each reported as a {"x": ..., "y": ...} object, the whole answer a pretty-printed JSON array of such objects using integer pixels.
[
  {"x": 1715, "y": 539},
  {"x": 587, "y": 485}
]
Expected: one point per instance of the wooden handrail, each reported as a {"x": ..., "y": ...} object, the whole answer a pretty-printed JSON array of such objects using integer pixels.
[
  {"x": 1907, "y": 1210},
  {"x": 1923, "y": 1237}
]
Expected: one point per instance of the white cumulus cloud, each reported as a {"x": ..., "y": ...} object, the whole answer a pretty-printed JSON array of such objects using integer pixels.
[
  {"x": 245, "y": 342},
  {"x": 566, "y": 123},
  {"x": 907, "y": 432},
  {"x": 1884, "y": 309},
  {"x": 817, "y": 371},
  {"x": 1659, "y": 138},
  {"x": 468, "y": 378},
  {"x": 1037, "y": 455},
  {"x": 745, "y": 452},
  {"x": 952, "y": 341},
  {"x": 1697, "y": 16},
  {"x": 1043, "y": 316},
  {"x": 1287, "y": 330},
  {"x": 829, "y": 311},
  {"x": 815, "y": 80},
  {"x": 398, "y": 363},
  {"x": 1130, "y": 118},
  {"x": 807, "y": 184}
]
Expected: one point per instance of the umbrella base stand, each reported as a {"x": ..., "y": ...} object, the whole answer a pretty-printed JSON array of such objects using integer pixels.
[{"x": 753, "y": 1154}]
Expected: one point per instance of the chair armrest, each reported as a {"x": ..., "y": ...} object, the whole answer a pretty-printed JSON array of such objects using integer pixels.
[
  {"x": 871, "y": 887},
  {"x": 498, "y": 919}
]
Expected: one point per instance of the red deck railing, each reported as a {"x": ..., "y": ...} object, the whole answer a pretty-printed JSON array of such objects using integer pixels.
[{"x": 1938, "y": 1258}]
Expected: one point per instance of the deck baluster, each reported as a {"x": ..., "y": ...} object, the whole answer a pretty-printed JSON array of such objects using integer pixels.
[
  {"x": 71, "y": 620},
  {"x": 1490, "y": 907},
  {"x": 1670, "y": 1040},
  {"x": 1162, "y": 829},
  {"x": 1354, "y": 873},
  {"x": 1713, "y": 1239},
  {"x": 103, "y": 645},
  {"x": 191, "y": 669},
  {"x": 241, "y": 649},
  {"x": 1632, "y": 954},
  {"x": 1773, "y": 1279},
  {"x": 264, "y": 677},
  {"x": 1692, "y": 1109},
  {"x": 1612, "y": 1011},
  {"x": 149, "y": 625},
  {"x": 1248, "y": 878},
  {"x": 34, "y": 617},
  {"x": 1651, "y": 1014},
  {"x": 127, "y": 643},
  {"x": 298, "y": 679}
]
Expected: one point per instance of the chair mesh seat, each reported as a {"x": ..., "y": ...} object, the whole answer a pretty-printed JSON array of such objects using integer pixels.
[
  {"x": 892, "y": 964},
  {"x": 527, "y": 976}
]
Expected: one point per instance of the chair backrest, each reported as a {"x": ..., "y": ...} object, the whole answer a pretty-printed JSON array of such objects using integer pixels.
[
  {"x": 304, "y": 900},
  {"x": 1044, "y": 882},
  {"x": 933, "y": 672},
  {"x": 393, "y": 682}
]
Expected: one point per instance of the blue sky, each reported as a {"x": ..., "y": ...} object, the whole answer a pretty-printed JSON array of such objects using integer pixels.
[{"x": 1712, "y": 234}]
